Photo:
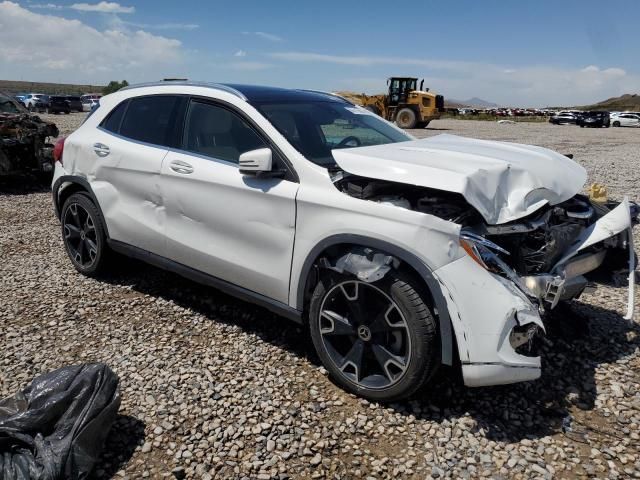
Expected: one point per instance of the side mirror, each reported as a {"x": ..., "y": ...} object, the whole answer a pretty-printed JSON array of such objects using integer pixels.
[{"x": 255, "y": 162}]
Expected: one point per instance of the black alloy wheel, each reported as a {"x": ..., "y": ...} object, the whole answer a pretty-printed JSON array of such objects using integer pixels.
[
  {"x": 365, "y": 334},
  {"x": 377, "y": 340},
  {"x": 83, "y": 234}
]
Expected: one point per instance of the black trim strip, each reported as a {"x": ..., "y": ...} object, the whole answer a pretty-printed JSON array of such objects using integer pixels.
[{"x": 206, "y": 279}]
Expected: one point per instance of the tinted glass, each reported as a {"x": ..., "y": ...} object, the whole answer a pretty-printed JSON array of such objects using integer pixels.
[
  {"x": 149, "y": 119},
  {"x": 112, "y": 122},
  {"x": 216, "y": 132},
  {"x": 316, "y": 128}
]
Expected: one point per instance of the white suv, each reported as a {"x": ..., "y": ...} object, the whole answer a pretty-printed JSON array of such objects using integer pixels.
[{"x": 400, "y": 254}]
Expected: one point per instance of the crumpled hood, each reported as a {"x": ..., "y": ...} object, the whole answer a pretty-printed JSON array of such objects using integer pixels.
[{"x": 503, "y": 181}]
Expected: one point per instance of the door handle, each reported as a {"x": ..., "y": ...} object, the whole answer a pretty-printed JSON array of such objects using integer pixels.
[
  {"x": 101, "y": 149},
  {"x": 179, "y": 166}
]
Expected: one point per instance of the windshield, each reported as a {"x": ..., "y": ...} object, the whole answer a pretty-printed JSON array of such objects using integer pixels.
[{"x": 315, "y": 128}]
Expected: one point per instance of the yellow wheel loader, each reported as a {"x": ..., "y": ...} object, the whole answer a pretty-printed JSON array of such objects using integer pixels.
[{"x": 405, "y": 103}]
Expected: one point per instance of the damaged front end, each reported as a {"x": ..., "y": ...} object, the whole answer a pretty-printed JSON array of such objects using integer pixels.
[
  {"x": 24, "y": 146},
  {"x": 561, "y": 251},
  {"x": 527, "y": 266}
]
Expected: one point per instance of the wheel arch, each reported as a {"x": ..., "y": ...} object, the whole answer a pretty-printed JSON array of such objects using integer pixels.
[
  {"x": 346, "y": 243},
  {"x": 67, "y": 185}
]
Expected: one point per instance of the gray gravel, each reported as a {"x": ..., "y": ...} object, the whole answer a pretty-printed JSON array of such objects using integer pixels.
[{"x": 216, "y": 388}]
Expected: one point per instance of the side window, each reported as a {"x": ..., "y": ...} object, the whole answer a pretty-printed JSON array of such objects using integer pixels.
[
  {"x": 219, "y": 133},
  {"x": 113, "y": 120},
  {"x": 149, "y": 119}
]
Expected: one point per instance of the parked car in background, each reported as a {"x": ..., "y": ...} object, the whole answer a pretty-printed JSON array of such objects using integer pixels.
[
  {"x": 75, "y": 104},
  {"x": 89, "y": 101},
  {"x": 625, "y": 120},
  {"x": 30, "y": 100},
  {"x": 562, "y": 118},
  {"x": 41, "y": 105},
  {"x": 594, "y": 119},
  {"x": 20, "y": 98},
  {"x": 59, "y": 104},
  {"x": 341, "y": 221}
]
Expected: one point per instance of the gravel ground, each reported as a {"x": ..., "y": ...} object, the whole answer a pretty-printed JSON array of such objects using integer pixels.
[{"x": 216, "y": 388}]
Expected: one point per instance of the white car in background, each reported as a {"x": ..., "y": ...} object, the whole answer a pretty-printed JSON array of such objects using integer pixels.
[
  {"x": 89, "y": 101},
  {"x": 399, "y": 254},
  {"x": 31, "y": 99},
  {"x": 625, "y": 120}
]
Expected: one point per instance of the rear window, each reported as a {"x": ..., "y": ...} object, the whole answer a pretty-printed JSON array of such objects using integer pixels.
[{"x": 150, "y": 119}]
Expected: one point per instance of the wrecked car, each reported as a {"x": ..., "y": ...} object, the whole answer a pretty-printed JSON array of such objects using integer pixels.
[
  {"x": 24, "y": 137},
  {"x": 399, "y": 254}
]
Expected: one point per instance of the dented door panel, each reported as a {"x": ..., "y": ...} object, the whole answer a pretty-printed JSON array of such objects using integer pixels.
[{"x": 237, "y": 228}]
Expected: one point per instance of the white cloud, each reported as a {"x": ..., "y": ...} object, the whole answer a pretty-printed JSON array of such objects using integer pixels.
[
  {"x": 266, "y": 36},
  {"x": 163, "y": 26},
  {"x": 46, "y": 6},
  {"x": 35, "y": 45},
  {"x": 102, "y": 7},
  {"x": 533, "y": 85},
  {"x": 240, "y": 53}
]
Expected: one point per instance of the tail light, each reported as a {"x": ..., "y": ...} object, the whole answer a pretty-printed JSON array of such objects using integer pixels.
[{"x": 58, "y": 150}]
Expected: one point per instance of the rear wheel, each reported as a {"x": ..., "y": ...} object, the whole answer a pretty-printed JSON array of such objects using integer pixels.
[
  {"x": 406, "y": 118},
  {"x": 83, "y": 234},
  {"x": 377, "y": 340},
  {"x": 616, "y": 124}
]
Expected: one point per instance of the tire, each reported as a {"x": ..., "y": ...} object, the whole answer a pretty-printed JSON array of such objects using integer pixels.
[
  {"x": 616, "y": 124},
  {"x": 79, "y": 230},
  {"x": 395, "y": 304},
  {"x": 406, "y": 118}
]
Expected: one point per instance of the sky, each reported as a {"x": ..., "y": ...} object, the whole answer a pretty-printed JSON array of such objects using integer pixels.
[{"x": 542, "y": 53}]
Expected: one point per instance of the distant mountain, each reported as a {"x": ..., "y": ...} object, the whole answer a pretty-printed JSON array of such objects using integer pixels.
[
  {"x": 472, "y": 102},
  {"x": 628, "y": 101}
]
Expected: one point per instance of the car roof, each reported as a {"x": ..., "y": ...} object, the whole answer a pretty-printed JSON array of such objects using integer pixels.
[
  {"x": 251, "y": 93},
  {"x": 259, "y": 93}
]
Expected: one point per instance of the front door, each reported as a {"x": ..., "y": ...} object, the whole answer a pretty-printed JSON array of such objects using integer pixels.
[{"x": 239, "y": 228}]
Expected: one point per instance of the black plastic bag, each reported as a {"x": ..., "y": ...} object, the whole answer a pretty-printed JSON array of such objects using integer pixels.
[{"x": 56, "y": 427}]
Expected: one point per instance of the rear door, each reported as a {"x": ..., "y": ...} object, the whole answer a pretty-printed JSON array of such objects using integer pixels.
[
  {"x": 127, "y": 150},
  {"x": 236, "y": 227}
]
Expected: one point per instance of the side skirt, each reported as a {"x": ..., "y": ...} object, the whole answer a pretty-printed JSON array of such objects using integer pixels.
[{"x": 206, "y": 279}]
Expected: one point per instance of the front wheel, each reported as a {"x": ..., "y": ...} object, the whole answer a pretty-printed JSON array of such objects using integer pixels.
[
  {"x": 377, "y": 340},
  {"x": 406, "y": 118},
  {"x": 616, "y": 124},
  {"x": 83, "y": 234}
]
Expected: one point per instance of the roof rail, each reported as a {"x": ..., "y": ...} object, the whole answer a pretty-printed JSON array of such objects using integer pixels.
[{"x": 186, "y": 83}]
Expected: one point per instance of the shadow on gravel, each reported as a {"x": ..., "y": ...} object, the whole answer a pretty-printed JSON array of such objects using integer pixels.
[
  {"x": 580, "y": 337},
  {"x": 24, "y": 184},
  {"x": 125, "y": 435},
  {"x": 215, "y": 305}
]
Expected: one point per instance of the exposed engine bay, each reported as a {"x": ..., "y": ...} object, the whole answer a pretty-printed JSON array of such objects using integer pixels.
[
  {"x": 527, "y": 251},
  {"x": 24, "y": 137}
]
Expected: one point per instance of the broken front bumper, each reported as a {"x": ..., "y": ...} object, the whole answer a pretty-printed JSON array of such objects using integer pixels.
[{"x": 494, "y": 317}]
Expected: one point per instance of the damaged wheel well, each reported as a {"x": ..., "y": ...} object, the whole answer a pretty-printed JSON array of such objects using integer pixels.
[
  {"x": 65, "y": 193},
  {"x": 369, "y": 260},
  {"x": 66, "y": 186}
]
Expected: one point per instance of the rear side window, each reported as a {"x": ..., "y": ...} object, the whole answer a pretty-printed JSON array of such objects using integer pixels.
[
  {"x": 114, "y": 119},
  {"x": 150, "y": 119}
]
